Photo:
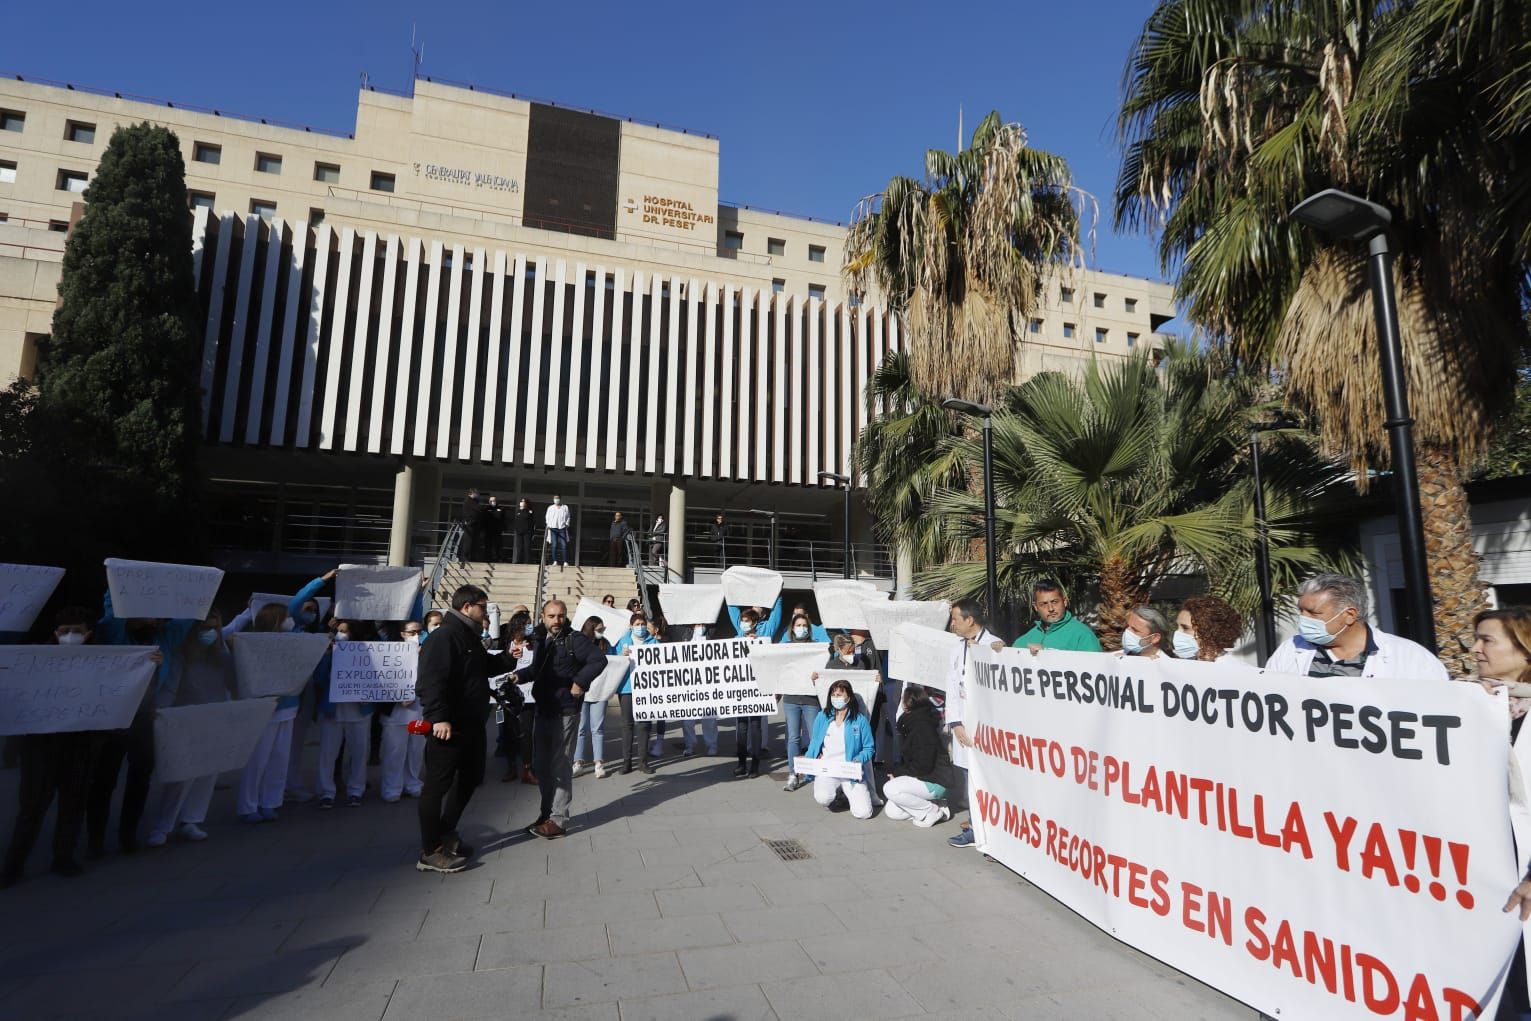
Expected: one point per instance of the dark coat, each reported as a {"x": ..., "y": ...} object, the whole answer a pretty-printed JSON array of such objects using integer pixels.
[
  {"x": 523, "y": 521},
  {"x": 491, "y": 520},
  {"x": 452, "y": 682},
  {"x": 558, "y": 664},
  {"x": 619, "y": 530},
  {"x": 924, "y": 750}
]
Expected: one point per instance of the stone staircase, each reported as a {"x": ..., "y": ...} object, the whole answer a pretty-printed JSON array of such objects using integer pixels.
[{"x": 514, "y": 584}]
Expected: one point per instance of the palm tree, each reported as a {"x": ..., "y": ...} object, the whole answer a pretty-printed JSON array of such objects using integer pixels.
[
  {"x": 1117, "y": 480},
  {"x": 1235, "y": 111},
  {"x": 962, "y": 254}
]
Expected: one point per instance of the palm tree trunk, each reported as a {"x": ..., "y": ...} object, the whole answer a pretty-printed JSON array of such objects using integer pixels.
[
  {"x": 1119, "y": 593},
  {"x": 1449, "y": 554}
]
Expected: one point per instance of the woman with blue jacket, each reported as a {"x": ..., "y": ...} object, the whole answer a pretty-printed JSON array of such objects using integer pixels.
[
  {"x": 842, "y": 731},
  {"x": 638, "y": 633},
  {"x": 800, "y": 710}
]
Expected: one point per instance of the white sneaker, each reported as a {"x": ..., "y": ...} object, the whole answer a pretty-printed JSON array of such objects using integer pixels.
[
  {"x": 156, "y": 839},
  {"x": 793, "y": 783},
  {"x": 601, "y": 772},
  {"x": 191, "y": 831},
  {"x": 581, "y": 768}
]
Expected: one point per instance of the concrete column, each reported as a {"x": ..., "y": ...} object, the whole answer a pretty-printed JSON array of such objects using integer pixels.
[
  {"x": 403, "y": 505},
  {"x": 676, "y": 519},
  {"x": 903, "y": 571}
]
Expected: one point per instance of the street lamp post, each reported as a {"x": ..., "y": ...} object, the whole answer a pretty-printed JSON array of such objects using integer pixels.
[
  {"x": 991, "y": 579},
  {"x": 1265, "y": 633},
  {"x": 1350, "y": 218},
  {"x": 771, "y": 561},
  {"x": 845, "y": 552}
]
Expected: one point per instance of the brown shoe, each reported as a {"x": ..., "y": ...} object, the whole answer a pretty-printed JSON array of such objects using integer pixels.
[
  {"x": 527, "y": 776},
  {"x": 550, "y": 830}
]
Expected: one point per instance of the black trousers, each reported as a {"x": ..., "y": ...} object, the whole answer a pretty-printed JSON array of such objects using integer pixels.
[
  {"x": 521, "y": 549},
  {"x": 51, "y": 764},
  {"x": 493, "y": 547},
  {"x": 632, "y": 732},
  {"x": 136, "y": 745},
  {"x": 453, "y": 771}
]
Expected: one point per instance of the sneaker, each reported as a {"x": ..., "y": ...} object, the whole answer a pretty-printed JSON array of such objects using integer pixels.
[
  {"x": 581, "y": 768},
  {"x": 354, "y": 801},
  {"x": 66, "y": 867},
  {"x": 253, "y": 818},
  {"x": 267, "y": 814},
  {"x": 452, "y": 844},
  {"x": 793, "y": 783},
  {"x": 192, "y": 832},
  {"x": 646, "y": 769},
  {"x": 440, "y": 861},
  {"x": 156, "y": 839},
  {"x": 654, "y": 750},
  {"x": 534, "y": 828},
  {"x": 601, "y": 772},
  {"x": 550, "y": 830},
  {"x": 326, "y": 803},
  {"x": 687, "y": 753},
  {"x": 527, "y": 776},
  {"x": 741, "y": 769},
  {"x": 964, "y": 839}
]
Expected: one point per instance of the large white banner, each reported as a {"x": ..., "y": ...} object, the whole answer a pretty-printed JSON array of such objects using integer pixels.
[
  {"x": 691, "y": 604},
  {"x": 884, "y": 617},
  {"x": 201, "y": 740},
  {"x": 140, "y": 588},
  {"x": 751, "y": 586},
  {"x": 24, "y": 589},
  {"x": 787, "y": 668},
  {"x": 375, "y": 592},
  {"x": 840, "y": 602},
  {"x": 275, "y": 663},
  {"x": 697, "y": 680},
  {"x": 374, "y": 671},
  {"x": 1315, "y": 848},
  {"x": 48, "y": 689},
  {"x": 616, "y": 620},
  {"x": 606, "y": 685}
]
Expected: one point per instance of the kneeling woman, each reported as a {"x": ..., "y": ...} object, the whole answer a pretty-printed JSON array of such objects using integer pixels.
[
  {"x": 842, "y": 731},
  {"x": 926, "y": 771}
]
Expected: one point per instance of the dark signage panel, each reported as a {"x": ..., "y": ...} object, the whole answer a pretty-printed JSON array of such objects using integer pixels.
[{"x": 571, "y": 171}]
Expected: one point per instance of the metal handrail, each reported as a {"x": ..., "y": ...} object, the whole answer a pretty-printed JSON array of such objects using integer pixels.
[
  {"x": 542, "y": 572},
  {"x": 445, "y": 554}
]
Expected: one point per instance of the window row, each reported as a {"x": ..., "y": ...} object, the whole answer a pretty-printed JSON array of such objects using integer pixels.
[
  {"x": 59, "y": 226},
  {"x": 733, "y": 240},
  {"x": 1102, "y": 334},
  {"x": 63, "y": 180},
  {"x": 264, "y": 208},
  {"x": 271, "y": 163},
  {"x": 74, "y": 131},
  {"x": 1098, "y": 299}
]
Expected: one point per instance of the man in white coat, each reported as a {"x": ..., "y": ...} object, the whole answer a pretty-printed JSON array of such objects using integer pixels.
[{"x": 1334, "y": 639}]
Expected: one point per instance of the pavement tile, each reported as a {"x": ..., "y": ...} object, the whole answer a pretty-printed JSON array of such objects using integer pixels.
[
  {"x": 459, "y": 891},
  {"x": 664, "y": 877},
  {"x": 766, "y": 924},
  {"x": 341, "y": 931},
  {"x": 346, "y": 1002},
  {"x": 600, "y": 908},
  {"x": 982, "y": 983},
  {"x": 97, "y": 992},
  {"x": 852, "y": 997},
  {"x": 375, "y": 960},
  {"x": 610, "y": 979},
  {"x": 277, "y": 973},
  {"x": 633, "y": 840},
  {"x": 741, "y": 1003},
  {"x": 861, "y": 951},
  {"x": 499, "y": 993},
  {"x": 707, "y": 900},
  {"x": 745, "y": 964},
  {"x": 299, "y": 906},
  {"x": 667, "y": 934},
  {"x": 519, "y": 916},
  {"x": 822, "y": 890},
  {"x": 544, "y": 946},
  {"x": 213, "y": 942}
]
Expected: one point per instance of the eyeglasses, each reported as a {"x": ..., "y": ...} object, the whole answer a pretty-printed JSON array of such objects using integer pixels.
[
  {"x": 412, "y": 632},
  {"x": 484, "y": 605}
]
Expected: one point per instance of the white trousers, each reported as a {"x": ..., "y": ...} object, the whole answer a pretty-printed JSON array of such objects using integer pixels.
[
  {"x": 909, "y": 799},
  {"x": 265, "y": 776},
  {"x": 358, "y": 742},
  {"x": 858, "y": 794},
  {"x": 403, "y": 758},
  {"x": 184, "y": 801}
]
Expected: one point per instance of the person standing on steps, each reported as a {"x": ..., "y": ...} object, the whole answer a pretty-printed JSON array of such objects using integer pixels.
[
  {"x": 557, "y": 519},
  {"x": 469, "y": 547},
  {"x": 616, "y": 549},
  {"x": 492, "y": 530},
  {"x": 523, "y": 522},
  {"x": 453, "y": 688},
  {"x": 717, "y": 534}
]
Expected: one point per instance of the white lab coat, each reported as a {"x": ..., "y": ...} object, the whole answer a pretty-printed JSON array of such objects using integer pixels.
[
  {"x": 557, "y": 515},
  {"x": 1395, "y": 657}
]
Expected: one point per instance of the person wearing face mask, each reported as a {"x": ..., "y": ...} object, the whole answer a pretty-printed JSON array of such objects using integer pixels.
[
  {"x": 1144, "y": 634},
  {"x": 800, "y": 710},
  {"x": 403, "y": 753},
  {"x": 590, "y": 743},
  {"x": 1335, "y": 640},
  {"x": 638, "y": 633},
  {"x": 307, "y": 615},
  {"x": 265, "y": 774},
  {"x": 470, "y": 514},
  {"x": 841, "y": 731},
  {"x": 203, "y": 673},
  {"x": 516, "y": 735},
  {"x": 565, "y": 666},
  {"x": 816, "y": 632},
  {"x": 1205, "y": 629},
  {"x": 522, "y": 524},
  {"x": 927, "y": 769},
  {"x": 53, "y": 765},
  {"x": 687, "y": 746},
  {"x": 752, "y": 733},
  {"x": 557, "y": 520},
  {"x": 348, "y": 722},
  {"x": 453, "y": 688},
  {"x": 491, "y": 527}
]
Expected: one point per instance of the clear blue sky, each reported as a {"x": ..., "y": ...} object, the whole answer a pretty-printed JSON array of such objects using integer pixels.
[{"x": 816, "y": 104}]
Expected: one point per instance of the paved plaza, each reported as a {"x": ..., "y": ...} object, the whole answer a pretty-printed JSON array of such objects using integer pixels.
[{"x": 665, "y": 902}]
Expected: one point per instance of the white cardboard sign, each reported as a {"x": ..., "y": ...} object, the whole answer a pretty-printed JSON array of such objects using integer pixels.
[
  {"x": 840, "y": 769},
  {"x": 616, "y": 620},
  {"x": 884, "y": 616},
  {"x": 751, "y": 586},
  {"x": 24, "y": 589},
  {"x": 691, "y": 604},
  {"x": 610, "y": 680},
  {"x": 51, "y": 689},
  {"x": 787, "y": 668},
  {"x": 375, "y": 592},
  {"x": 923, "y": 655},
  {"x": 374, "y": 671},
  {"x": 697, "y": 680},
  {"x": 864, "y": 685},
  {"x": 203, "y": 740},
  {"x": 275, "y": 664},
  {"x": 140, "y": 588},
  {"x": 840, "y": 602}
]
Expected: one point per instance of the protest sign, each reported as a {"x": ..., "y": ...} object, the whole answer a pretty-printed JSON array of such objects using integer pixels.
[
  {"x": 606, "y": 685},
  {"x": 751, "y": 586},
  {"x": 1313, "y": 848},
  {"x": 178, "y": 591},
  {"x": 840, "y": 769},
  {"x": 923, "y": 655},
  {"x": 275, "y": 664},
  {"x": 50, "y": 689},
  {"x": 696, "y": 680},
  {"x": 840, "y": 602},
  {"x": 864, "y": 684},
  {"x": 883, "y": 616},
  {"x": 691, "y": 604},
  {"x": 203, "y": 740},
  {"x": 24, "y": 589},
  {"x": 376, "y": 592},
  {"x": 373, "y": 671},
  {"x": 259, "y": 599},
  {"x": 787, "y": 668},
  {"x": 616, "y": 620}
]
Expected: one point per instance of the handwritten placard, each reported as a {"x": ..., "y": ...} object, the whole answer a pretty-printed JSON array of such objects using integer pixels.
[
  {"x": 203, "y": 740},
  {"x": 375, "y": 592},
  {"x": 275, "y": 664},
  {"x": 24, "y": 589},
  {"x": 374, "y": 671},
  {"x": 840, "y": 602},
  {"x": 883, "y": 616},
  {"x": 787, "y": 669},
  {"x": 924, "y": 655},
  {"x": 691, "y": 604},
  {"x": 50, "y": 689},
  {"x": 140, "y": 588},
  {"x": 839, "y": 769},
  {"x": 751, "y": 586}
]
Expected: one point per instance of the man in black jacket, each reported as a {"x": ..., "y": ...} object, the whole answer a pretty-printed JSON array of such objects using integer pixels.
[
  {"x": 491, "y": 528},
  {"x": 471, "y": 545},
  {"x": 452, "y": 684},
  {"x": 564, "y": 665},
  {"x": 521, "y": 526}
]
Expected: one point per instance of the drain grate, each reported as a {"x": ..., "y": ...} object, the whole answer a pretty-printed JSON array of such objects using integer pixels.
[{"x": 789, "y": 850}]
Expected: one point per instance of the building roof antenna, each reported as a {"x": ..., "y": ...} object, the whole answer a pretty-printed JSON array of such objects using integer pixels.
[{"x": 417, "y": 57}]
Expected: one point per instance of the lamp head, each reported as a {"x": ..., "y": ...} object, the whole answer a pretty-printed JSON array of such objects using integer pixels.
[
  {"x": 967, "y": 407},
  {"x": 1342, "y": 215},
  {"x": 837, "y": 479}
]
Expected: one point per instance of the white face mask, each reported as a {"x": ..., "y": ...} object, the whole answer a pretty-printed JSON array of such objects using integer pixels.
[
  {"x": 839, "y": 702},
  {"x": 600, "y": 634},
  {"x": 699, "y": 633},
  {"x": 847, "y": 657},
  {"x": 1185, "y": 645},
  {"x": 747, "y": 627},
  {"x": 799, "y": 632},
  {"x": 71, "y": 638}
]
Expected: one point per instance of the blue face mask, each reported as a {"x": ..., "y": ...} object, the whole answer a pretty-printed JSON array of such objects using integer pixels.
[
  {"x": 421, "y": 638},
  {"x": 641, "y": 631},
  {"x": 839, "y": 701},
  {"x": 304, "y": 618},
  {"x": 1131, "y": 643},
  {"x": 531, "y": 629},
  {"x": 208, "y": 637},
  {"x": 1317, "y": 631},
  {"x": 1185, "y": 646}
]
